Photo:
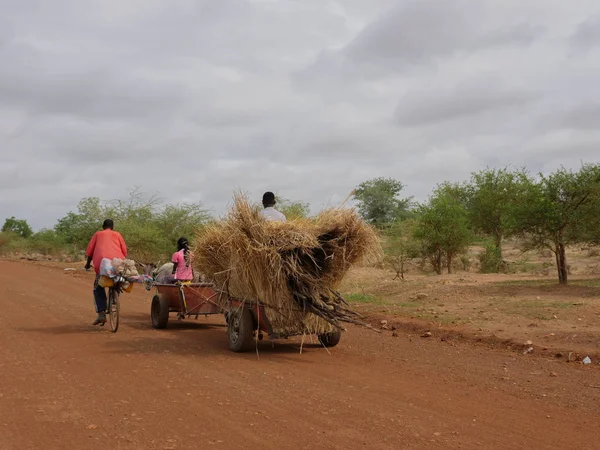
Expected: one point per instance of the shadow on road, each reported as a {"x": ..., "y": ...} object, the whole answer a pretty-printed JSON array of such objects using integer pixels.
[
  {"x": 209, "y": 343},
  {"x": 190, "y": 337},
  {"x": 66, "y": 329}
]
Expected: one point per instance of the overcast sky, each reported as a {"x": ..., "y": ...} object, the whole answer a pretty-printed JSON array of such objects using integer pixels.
[{"x": 193, "y": 99}]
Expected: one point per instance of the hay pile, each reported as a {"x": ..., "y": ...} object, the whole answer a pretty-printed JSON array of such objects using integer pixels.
[{"x": 294, "y": 268}]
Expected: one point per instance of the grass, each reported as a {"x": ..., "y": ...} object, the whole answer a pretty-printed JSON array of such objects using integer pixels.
[
  {"x": 594, "y": 282},
  {"x": 356, "y": 297},
  {"x": 526, "y": 283},
  {"x": 537, "y": 309}
]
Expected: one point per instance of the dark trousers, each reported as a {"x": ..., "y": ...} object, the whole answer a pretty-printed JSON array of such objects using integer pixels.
[{"x": 99, "y": 296}]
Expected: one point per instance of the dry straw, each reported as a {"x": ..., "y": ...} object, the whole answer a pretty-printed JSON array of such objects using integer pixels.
[{"x": 293, "y": 268}]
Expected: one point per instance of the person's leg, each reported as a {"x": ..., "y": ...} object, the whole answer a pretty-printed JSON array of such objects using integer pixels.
[{"x": 99, "y": 302}]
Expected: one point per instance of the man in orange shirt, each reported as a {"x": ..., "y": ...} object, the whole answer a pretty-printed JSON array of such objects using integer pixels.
[{"x": 104, "y": 244}]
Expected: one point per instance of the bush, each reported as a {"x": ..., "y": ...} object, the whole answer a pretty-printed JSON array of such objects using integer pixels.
[
  {"x": 11, "y": 242},
  {"x": 149, "y": 227},
  {"x": 490, "y": 259},
  {"x": 17, "y": 226},
  {"x": 47, "y": 242},
  {"x": 466, "y": 262}
]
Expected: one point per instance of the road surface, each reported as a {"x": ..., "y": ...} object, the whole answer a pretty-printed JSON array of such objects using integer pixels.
[{"x": 67, "y": 384}]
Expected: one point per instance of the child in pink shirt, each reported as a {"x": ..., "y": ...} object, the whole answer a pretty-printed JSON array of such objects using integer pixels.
[{"x": 182, "y": 261}]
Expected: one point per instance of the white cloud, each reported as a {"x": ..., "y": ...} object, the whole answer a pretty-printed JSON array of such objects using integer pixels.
[{"x": 193, "y": 99}]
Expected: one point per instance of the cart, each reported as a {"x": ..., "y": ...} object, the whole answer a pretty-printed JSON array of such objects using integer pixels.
[
  {"x": 246, "y": 319},
  {"x": 186, "y": 300}
]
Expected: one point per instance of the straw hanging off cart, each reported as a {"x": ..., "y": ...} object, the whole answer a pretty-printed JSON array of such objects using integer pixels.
[{"x": 282, "y": 278}]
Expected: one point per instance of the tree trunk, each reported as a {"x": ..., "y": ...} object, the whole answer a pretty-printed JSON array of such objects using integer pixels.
[
  {"x": 437, "y": 264},
  {"x": 449, "y": 262},
  {"x": 498, "y": 243},
  {"x": 561, "y": 263}
]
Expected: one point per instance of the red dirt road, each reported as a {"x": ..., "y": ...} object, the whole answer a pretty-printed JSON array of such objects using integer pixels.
[{"x": 67, "y": 384}]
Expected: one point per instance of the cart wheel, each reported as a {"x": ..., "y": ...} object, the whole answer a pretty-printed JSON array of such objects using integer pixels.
[
  {"x": 240, "y": 330},
  {"x": 159, "y": 312},
  {"x": 331, "y": 339}
]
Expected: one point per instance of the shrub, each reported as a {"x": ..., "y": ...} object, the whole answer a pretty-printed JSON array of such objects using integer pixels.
[
  {"x": 490, "y": 259},
  {"x": 466, "y": 262}
]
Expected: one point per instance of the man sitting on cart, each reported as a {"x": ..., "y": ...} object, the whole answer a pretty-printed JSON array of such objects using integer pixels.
[
  {"x": 104, "y": 244},
  {"x": 270, "y": 213}
]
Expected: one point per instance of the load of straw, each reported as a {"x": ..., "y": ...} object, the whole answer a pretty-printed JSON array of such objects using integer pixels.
[{"x": 293, "y": 268}]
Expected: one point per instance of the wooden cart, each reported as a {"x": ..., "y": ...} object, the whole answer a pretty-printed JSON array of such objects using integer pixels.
[{"x": 246, "y": 320}]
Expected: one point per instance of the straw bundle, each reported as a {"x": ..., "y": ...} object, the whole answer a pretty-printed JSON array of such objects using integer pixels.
[{"x": 293, "y": 268}]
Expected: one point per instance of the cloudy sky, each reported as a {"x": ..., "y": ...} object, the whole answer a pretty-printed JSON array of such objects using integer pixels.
[{"x": 193, "y": 99}]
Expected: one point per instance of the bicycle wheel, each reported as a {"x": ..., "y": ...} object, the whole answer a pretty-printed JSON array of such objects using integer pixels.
[{"x": 113, "y": 309}]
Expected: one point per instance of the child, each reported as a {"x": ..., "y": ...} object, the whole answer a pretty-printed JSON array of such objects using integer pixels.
[{"x": 182, "y": 261}]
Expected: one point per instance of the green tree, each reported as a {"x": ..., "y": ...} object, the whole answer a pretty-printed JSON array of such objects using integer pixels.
[
  {"x": 149, "y": 227},
  {"x": 399, "y": 246},
  {"x": 293, "y": 210},
  {"x": 379, "y": 201},
  {"x": 491, "y": 197},
  {"x": 560, "y": 210},
  {"x": 180, "y": 220},
  {"x": 77, "y": 228},
  {"x": 442, "y": 227},
  {"x": 17, "y": 226}
]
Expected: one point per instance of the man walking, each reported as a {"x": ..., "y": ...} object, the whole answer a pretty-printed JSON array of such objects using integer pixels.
[{"x": 104, "y": 244}]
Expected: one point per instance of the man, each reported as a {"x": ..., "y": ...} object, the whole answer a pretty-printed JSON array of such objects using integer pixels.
[
  {"x": 270, "y": 213},
  {"x": 104, "y": 244}
]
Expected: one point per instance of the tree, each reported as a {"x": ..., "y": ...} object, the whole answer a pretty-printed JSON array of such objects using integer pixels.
[
  {"x": 149, "y": 228},
  {"x": 17, "y": 226},
  {"x": 182, "y": 220},
  {"x": 399, "y": 246},
  {"x": 76, "y": 229},
  {"x": 560, "y": 210},
  {"x": 293, "y": 210},
  {"x": 379, "y": 201},
  {"x": 490, "y": 197},
  {"x": 442, "y": 227}
]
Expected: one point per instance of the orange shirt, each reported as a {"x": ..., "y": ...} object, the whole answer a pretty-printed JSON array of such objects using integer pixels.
[{"x": 106, "y": 244}]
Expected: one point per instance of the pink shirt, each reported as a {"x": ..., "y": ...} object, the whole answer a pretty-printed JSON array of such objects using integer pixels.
[{"x": 183, "y": 273}]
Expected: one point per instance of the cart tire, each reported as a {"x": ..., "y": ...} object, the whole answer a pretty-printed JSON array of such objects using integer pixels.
[
  {"x": 331, "y": 339},
  {"x": 240, "y": 330},
  {"x": 159, "y": 312},
  {"x": 226, "y": 315}
]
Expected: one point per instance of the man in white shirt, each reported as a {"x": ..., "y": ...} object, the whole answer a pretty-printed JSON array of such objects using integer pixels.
[{"x": 270, "y": 213}]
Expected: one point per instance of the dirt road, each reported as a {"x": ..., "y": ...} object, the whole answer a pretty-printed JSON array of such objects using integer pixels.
[{"x": 67, "y": 384}]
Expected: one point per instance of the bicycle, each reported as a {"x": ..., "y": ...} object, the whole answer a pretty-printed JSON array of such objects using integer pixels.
[{"x": 114, "y": 306}]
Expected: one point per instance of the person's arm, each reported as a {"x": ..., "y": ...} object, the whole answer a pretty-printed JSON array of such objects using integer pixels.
[{"x": 89, "y": 252}]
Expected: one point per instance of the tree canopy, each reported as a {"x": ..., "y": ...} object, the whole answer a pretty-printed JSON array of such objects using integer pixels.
[{"x": 379, "y": 201}]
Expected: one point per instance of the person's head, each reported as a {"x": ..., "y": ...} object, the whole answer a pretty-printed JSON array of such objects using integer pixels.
[
  {"x": 108, "y": 224},
  {"x": 182, "y": 244},
  {"x": 268, "y": 199}
]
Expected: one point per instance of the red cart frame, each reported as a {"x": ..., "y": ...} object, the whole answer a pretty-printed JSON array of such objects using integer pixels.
[{"x": 246, "y": 319}]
